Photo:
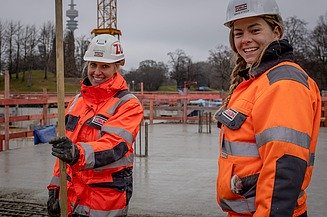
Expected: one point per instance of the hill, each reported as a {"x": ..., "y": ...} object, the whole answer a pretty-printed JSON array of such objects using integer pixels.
[{"x": 34, "y": 82}]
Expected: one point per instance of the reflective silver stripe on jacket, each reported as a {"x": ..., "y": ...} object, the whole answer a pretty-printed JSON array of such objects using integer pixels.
[
  {"x": 73, "y": 103},
  {"x": 287, "y": 72},
  {"x": 120, "y": 102},
  {"x": 240, "y": 206},
  {"x": 124, "y": 161},
  {"x": 127, "y": 136},
  {"x": 243, "y": 149},
  {"x": 89, "y": 155},
  {"x": 55, "y": 181},
  {"x": 85, "y": 210},
  {"x": 283, "y": 134},
  {"x": 90, "y": 159}
]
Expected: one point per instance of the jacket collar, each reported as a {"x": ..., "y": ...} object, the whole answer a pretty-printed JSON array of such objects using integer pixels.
[
  {"x": 277, "y": 52},
  {"x": 102, "y": 92}
]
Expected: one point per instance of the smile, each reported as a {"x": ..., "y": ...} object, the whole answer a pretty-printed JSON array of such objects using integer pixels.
[{"x": 250, "y": 49}]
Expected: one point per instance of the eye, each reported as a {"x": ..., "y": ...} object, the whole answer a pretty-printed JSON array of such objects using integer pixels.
[
  {"x": 255, "y": 31},
  {"x": 105, "y": 66},
  {"x": 93, "y": 65},
  {"x": 238, "y": 34}
]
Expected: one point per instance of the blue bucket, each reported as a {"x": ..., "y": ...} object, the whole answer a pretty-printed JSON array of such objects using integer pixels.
[{"x": 43, "y": 134}]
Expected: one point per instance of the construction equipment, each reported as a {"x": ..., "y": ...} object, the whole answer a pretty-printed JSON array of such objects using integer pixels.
[{"x": 107, "y": 18}]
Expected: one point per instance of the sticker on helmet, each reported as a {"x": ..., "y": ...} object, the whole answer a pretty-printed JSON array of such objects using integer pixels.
[
  {"x": 98, "y": 54},
  {"x": 240, "y": 8}
]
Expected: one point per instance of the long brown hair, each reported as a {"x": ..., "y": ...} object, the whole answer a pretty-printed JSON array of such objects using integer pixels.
[{"x": 274, "y": 21}]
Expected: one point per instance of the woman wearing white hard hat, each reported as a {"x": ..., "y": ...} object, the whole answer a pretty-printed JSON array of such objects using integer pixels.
[
  {"x": 270, "y": 120},
  {"x": 102, "y": 122}
]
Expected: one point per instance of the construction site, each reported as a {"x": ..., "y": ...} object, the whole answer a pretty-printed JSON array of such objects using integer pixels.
[
  {"x": 176, "y": 150},
  {"x": 176, "y": 178}
]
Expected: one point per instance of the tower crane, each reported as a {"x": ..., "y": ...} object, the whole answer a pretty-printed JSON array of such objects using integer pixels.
[{"x": 107, "y": 18}]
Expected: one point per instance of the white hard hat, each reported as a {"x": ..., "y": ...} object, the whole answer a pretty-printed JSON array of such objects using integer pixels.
[
  {"x": 238, "y": 9},
  {"x": 104, "y": 48}
]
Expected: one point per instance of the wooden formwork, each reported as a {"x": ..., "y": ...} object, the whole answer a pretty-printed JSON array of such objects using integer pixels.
[
  {"x": 178, "y": 106},
  {"x": 152, "y": 103}
]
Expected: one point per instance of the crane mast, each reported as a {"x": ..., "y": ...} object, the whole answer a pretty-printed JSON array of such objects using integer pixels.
[{"x": 107, "y": 18}]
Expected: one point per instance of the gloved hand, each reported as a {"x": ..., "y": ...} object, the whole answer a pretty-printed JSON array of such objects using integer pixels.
[
  {"x": 64, "y": 149},
  {"x": 53, "y": 206}
]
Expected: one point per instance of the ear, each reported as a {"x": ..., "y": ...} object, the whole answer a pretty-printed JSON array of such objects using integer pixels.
[{"x": 277, "y": 32}]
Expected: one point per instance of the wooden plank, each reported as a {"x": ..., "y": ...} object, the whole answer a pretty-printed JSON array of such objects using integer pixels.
[
  {"x": 61, "y": 104},
  {"x": 28, "y": 117},
  {"x": 15, "y": 135},
  {"x": 8, "y": 102}
]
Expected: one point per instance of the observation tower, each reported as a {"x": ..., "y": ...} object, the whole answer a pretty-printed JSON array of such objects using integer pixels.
[{"x": 72, "y": 14}]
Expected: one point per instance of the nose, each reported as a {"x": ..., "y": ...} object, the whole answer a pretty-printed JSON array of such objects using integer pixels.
[
  {"x": 246, "y": 38},
  {"x": 97, "y": 71}
]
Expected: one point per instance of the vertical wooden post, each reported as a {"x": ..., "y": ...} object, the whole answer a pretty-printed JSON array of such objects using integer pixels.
[
  {"x": 61, "y": 103},
  {"x": 146, "y": 138},
  {"x": 140, "y": 140},
  {"x": 7, "y": 96},
  {"x": 210, "y": 121},
  {"x": 45, "y": 108},
  {"x": 200, "y": 121},
  {"x": 185, "y": 110},
  {"x": 151, "y": 111},
  {"x": 206, "y": 122},
  {"x": 142, "y": 88}
]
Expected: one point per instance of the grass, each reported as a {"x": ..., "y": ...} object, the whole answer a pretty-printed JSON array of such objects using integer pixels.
[
  {"x": 35, "y": 82},
  {"x": 168, "y": 88}
]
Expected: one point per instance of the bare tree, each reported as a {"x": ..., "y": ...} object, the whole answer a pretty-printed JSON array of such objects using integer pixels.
[
  {"x": 220, "y": 61},
  {"x": 200, "y": 73},
  {"x": 10, "y": 33},
  {"x": 2, "y": 43},
  {"x": 180, "y": 67},
  {"x": 47, "y": 35},
  {"x": 319, "y": 38},
  {"x": 29, "y": 43},
  {"x": 151, "y": 73},
  {"x": 17, "y": 40},
  {"x": 318, "y": 63},
  {"x": 297, "y": 34}
]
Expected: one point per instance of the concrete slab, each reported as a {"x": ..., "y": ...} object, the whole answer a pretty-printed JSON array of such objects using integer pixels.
[{"x": 176, "y": 179}]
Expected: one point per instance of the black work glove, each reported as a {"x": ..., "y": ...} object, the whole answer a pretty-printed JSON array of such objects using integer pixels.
[
  {"x": 53, "y": 206},
  {"x": 64, "y": 149}
]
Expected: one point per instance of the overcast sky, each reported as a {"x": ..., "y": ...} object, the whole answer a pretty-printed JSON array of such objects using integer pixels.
[{"x": 152, "y": 28}]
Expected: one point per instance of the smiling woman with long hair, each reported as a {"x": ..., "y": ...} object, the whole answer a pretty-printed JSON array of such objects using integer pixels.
[{"x": 269, "y": 121}]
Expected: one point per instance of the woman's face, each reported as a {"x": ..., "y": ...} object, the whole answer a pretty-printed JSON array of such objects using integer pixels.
[
  {"x": 98, "y": 72},
  {"x": 251, "y": 36}
]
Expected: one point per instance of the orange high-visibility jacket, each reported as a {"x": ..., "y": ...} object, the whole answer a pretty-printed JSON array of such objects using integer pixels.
[
  {"x": 268, "y": 141},
  {"x": 103, "y": 122}
]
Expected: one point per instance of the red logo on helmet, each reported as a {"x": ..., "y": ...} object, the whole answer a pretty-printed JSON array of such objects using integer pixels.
[{"x": 118, "y": 48}]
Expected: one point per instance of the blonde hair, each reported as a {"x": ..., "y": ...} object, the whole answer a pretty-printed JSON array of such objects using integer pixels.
[{"x": 274, "y": 21}]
